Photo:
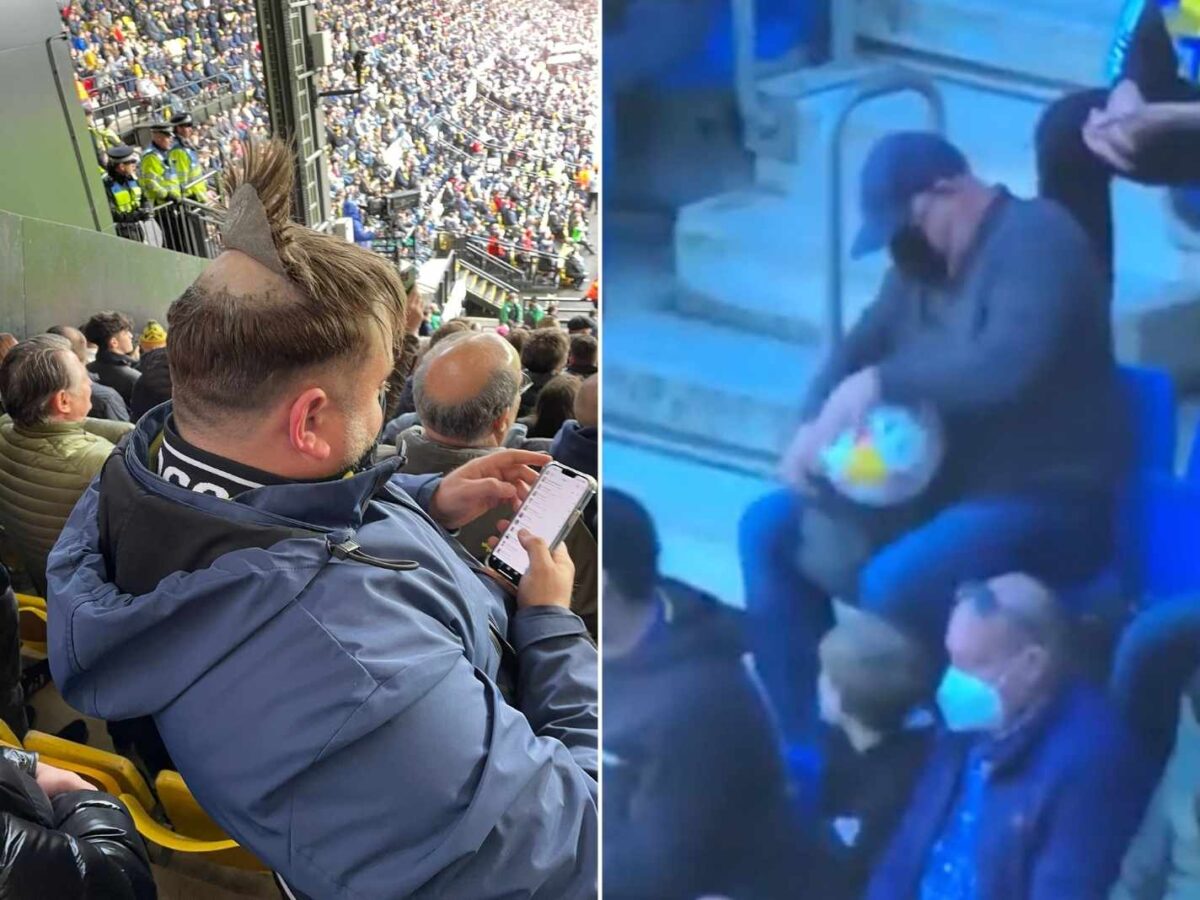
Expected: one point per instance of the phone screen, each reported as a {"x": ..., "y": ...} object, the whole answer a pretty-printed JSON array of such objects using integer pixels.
[{"x": 555, "y": 496}]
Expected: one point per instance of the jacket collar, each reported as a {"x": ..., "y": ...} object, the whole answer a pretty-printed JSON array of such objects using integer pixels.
[
  {"x": 112, "y": 358},
  {"x": 1009, "y": 750},
  {"x": 334, "y": 506},
  {"x": 49, "y": 429}
]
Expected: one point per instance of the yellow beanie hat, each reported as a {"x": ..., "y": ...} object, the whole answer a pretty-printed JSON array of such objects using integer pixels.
[{"x": 153, "y": 337}]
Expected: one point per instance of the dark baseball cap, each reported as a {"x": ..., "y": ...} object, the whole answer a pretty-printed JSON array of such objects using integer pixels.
[{"x": 899, "y": 167}]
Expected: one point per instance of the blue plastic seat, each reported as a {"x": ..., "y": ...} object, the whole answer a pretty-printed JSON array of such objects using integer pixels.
[{"x": 1155, "y": 510}]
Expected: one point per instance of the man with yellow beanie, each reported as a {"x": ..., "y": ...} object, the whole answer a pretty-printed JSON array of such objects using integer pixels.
[
  {"x": 154, "y": 337},
  {"x": 154, "y": 387}
]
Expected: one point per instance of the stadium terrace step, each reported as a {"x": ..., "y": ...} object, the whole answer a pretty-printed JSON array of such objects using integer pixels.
[
  {"x": 670, "y": 381},
  {"x": 1057, "y": 40}
]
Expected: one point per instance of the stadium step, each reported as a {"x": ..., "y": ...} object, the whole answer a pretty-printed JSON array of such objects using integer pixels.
[
  {"x": 1058, "y": 40},
  {"x": 674, "y": 382}
]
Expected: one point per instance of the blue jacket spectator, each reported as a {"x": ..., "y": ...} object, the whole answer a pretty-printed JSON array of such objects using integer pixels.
[
  {"x": 362, "y": 237},
  {"x": 1036, "y": 789},
  {"x": 345, "y": 690}
]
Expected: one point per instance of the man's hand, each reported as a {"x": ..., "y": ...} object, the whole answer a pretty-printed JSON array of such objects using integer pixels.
[
  {"x": 800, "y": 459},
  {"x": 483, "y": 484},
  {"x": 55, "y": 781},
  {"x": 1123, "y": 100},
  {"x": 1118, "y": 133},
  {"x": 414, "y": 311},
  {"x": 848, "y": 405},
  {"x": 550, "y": 578}
]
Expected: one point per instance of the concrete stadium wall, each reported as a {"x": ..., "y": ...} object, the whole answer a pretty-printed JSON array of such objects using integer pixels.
[
  {"x": 58, "y": 274},
  {"x": 51, "y": 171}
]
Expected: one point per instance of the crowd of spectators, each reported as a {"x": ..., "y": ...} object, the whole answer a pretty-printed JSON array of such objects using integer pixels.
[
  {"x": 465, "y": 103},
  {"x": 978, "y": 689},
  {"x": 440, "y": 507}
]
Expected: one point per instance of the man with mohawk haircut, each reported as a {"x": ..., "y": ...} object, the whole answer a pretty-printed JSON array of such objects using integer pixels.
[{"x": 344, "y": 689}]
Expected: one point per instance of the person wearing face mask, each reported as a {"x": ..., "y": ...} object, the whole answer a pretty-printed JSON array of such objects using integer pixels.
[
  {"x": 1037, "y": 785},
  {"x": 994, "y": 314},
  {"x": 1163, "y": 862}
]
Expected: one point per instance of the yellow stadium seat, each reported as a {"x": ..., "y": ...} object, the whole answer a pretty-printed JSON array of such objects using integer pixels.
[
  {"x": 33, "y": 629},
  {"x": 157, "y": 833},
  {"x": 189, "y": 819},
  {"x": 123, "y": 773},
  {"x": 7, "y": 736},
  {"x": 32, "y": 601}
]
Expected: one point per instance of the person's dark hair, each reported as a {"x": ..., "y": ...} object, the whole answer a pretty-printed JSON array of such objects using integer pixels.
[
  {"x": 555, "y": 404},
  {"x": 632, "y": 562},
  {"x": 579, "y": 324},
  {"x": 517, "y": 336},
  {"x": 471, "y": 418},
  {"x": 104, "y": 325},
  {"x": 31, "y": 374},
  {"x": 446, "y": 329},
  {"x": 232, "y": 353},
  {"x": 583, "y": 350},
  {"x": 879, "y": 672},
  {"x": 545, "y": 352}
]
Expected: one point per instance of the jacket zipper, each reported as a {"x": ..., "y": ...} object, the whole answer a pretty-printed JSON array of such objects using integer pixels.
[{"x": 349, "y": 549}]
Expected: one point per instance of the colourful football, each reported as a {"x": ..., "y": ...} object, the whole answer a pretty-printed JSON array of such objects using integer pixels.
[{"x": 890, "y": 459}]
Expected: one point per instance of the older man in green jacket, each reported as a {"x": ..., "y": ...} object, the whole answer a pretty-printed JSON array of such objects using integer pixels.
[{"x": 49, "y": 449}]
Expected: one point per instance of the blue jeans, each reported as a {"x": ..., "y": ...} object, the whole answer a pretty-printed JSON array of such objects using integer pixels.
[
  {"x": 911, "y": 581},
  {"x": 1158, "y": 654}
]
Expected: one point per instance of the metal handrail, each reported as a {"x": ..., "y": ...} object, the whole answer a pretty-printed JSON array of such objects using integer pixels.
[
  {"x": 467, "y": 239},
  {"x": 507, "y": 268},
  {"x": 492, "y": 278},
  {"x": 895, "y": 81},
  {"x": 567, "y": 164},
  {"x": 745, "y": 68}
]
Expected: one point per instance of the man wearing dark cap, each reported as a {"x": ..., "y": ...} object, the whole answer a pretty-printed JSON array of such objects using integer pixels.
[
  {"x": 995, "y": 314},
  {"x": 128, "y": 205}
]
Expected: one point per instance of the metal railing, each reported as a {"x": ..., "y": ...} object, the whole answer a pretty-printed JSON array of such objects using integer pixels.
[
  {"x": 567, "y": 164},
  {"x": 896, "y": 81},
  {"x": 124, "y": 100},
  {"x": 544, "y": 269},
  {"x": 503, "y": 285}
]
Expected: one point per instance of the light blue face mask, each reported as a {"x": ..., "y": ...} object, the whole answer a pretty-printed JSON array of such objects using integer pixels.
[{"x": 968, "y": 703}]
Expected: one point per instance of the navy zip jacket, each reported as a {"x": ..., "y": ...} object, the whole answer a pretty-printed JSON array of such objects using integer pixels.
[{"x": 342, "y": 689}]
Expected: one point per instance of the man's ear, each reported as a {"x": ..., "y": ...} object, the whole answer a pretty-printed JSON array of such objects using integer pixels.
[
  {"x": 60, "y": 403},
  {"x": 308, "y": 424}
]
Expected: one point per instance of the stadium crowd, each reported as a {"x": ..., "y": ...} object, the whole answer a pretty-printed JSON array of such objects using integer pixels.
[
  {"x": 438, "y": 659},
  {"x": 462, "y": 102}
]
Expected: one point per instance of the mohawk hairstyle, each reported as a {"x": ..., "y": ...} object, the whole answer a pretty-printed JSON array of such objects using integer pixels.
[{"x": 237, "y": 349}]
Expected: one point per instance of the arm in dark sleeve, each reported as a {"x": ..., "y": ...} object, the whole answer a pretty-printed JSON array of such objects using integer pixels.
[
  {"x": 865, "y": 345},
  {"x": 40, "y": 860},
  {"x": 1029, "y": 307},
  {"x": 1081, "y": 856},
  {"x": 406, "y": 362},
  {"x": 110, "y": 846},
  {"x": 709, "y": 805}
]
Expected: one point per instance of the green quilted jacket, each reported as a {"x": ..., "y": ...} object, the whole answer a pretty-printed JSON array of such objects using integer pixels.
[{"x": 43, "y": 471}]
